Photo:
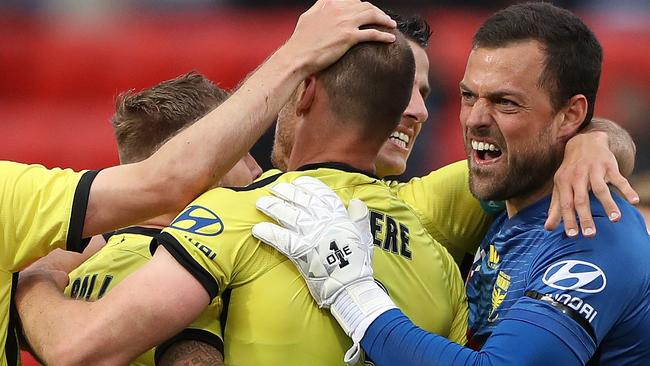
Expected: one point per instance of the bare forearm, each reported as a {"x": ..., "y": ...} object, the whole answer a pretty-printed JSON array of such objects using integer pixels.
[
  {"x": 619, "y": 140},
  {"x": 200, "y": 155},
  {"x": 38, "y": 302},
  {"x": 195, "y": 159},
  {"x": 148, "y": 307}
]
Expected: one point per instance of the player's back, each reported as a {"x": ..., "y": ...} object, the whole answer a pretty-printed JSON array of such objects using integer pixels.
[{"x": 269, "y": 315}]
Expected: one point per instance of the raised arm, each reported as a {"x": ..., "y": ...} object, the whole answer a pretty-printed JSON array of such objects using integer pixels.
[
  {"x": 601, "y": 154},
  {"x": 194, "y": 159}
]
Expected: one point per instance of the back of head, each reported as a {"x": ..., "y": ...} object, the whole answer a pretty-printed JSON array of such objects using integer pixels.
[
  {"x": 145, "y": 120},
  {"x": 573, "y": 54},
  {"x": 370, "y": 86}
]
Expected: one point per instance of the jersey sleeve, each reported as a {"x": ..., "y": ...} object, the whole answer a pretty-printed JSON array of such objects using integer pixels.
[
  {"x": 447, "y": 208},
  {"x": 212, "y": 239},
  {"x": 583, "y": 282},
  {"x": 42, "y": 209}
]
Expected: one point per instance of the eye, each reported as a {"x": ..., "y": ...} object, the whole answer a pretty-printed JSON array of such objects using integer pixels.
[
  {"x": 467, "y": 97},
  {"x": 506, "y": 103}
]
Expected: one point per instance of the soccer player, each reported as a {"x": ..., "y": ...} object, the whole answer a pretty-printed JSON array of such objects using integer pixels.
[
  {"x": 141, "y": 123},
  {"x": 212, "y": 241},
  {"x": 208, "y": 250},
  {"x": 454, "y": 214},
  {"x": 46, "y": 209},
  {"x": 145, "y": 304},
  {"x": 585, "y": 158},
  {"x": 535, "y": 295}
]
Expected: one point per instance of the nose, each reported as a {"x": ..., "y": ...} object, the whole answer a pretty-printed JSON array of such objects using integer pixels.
[
  {"x": 416, "y": 111},
  {"x": 477, "y": 115},
  {"x": 252, "y": 165}
]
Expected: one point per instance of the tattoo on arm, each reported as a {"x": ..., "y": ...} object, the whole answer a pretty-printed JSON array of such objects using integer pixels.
[{"x": 191, "y": 353}]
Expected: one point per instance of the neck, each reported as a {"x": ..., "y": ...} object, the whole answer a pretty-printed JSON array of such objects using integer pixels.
[
  {"x": 516, "y": 204},
  {"x": 328, "y": 142}
]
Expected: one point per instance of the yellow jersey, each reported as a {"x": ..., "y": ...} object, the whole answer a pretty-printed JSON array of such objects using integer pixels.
[
  {"x": 127, "y": 250},
  {"x": 41, "y": 210},
  {"x": 444, "y": 203},
  {"x": 269, "y": 316}
]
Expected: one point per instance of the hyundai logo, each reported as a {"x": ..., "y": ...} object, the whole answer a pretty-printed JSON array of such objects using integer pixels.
[
  {"x": 575, "y": 275},
  {"x": 198, "y": 220}
]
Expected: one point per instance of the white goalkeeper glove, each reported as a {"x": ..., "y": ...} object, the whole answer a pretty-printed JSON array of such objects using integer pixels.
[{"x": 332, "y": 248}]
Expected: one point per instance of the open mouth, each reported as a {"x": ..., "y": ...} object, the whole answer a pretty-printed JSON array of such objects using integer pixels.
[
  {"x": 400, "y": 139},
  {"x": 485, "y": 152}
]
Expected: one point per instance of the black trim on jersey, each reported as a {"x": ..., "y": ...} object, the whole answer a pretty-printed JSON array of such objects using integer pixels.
[
  {"x": 338, "y": 166},
  {"x": 466, "y": 265},
  {"x": 259, "y": 184},
  {"x": 108, "y": 235},
  {"x": 140, "y": 230},
  {"x": 581, "y": 320},
  {"x": 595, "y": 359},
  {"x": 223, "y": 318},
  {"x": 185, "y": 259},
  {"x": 12, "y": 351},
  {"x": 189, "y": 334},
  {"x": 78, "y": 215}
]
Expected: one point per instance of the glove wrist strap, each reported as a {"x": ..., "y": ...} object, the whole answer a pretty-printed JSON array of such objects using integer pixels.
[{"x": 355, "y": 308}]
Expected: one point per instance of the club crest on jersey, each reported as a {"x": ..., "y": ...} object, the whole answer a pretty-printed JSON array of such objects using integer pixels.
[
  {"x": 575, "y": 275},
  {"x": 499, "y": 293},
  {"x": 198, "y": 220}
]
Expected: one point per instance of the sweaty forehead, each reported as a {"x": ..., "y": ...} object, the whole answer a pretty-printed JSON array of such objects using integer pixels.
[{"x": 516, "y": 66}]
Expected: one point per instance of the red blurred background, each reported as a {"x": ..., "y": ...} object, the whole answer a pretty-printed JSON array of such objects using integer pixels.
[{"x": 60, "y": 74}]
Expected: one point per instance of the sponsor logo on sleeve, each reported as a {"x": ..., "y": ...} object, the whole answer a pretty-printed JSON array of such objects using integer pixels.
[
  {"x": 575, "y": 275},
  {"x": 198, "y": 220}
]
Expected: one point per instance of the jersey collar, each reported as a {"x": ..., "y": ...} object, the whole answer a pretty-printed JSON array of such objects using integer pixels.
[
  {"x": 534, "y": 213},
  {"x": 338, "y": 166}
]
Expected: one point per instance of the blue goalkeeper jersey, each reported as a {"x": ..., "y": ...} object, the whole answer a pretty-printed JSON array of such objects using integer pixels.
[
  {"x": 538, "y": 297},
  {"x": 602, "y": 283}
]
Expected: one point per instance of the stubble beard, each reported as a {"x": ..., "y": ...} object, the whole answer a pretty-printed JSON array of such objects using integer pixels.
[{"x": 526, "y": 173}]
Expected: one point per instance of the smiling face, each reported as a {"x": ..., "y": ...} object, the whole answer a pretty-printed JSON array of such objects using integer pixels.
[
  {"x": 507, "y": 121},
  {"x": 395, "y": 152}
]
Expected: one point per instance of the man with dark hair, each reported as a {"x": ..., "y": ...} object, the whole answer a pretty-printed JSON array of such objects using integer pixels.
[
  {"x": 535, "y": 295},
  {"x": 393, "y": 156}
]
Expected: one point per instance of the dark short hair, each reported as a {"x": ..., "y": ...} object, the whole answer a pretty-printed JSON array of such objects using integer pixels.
[
  {"x": 143, "y": 121},
  {"x": 573, "y": 54},
  {"x": 414, "y": 27},
  {"x": 371, "y": 85}
]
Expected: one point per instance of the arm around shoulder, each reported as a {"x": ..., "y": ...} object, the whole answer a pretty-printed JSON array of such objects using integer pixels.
[{"x": 147, "y": 308}]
